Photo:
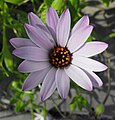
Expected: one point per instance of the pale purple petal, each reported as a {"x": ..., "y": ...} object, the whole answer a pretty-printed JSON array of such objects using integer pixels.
[
  {"x": 38, "y": 37},
  {"x": 34, "y": 79},
  {"x": 96, "y": 81},
  {"x": 88, "y": 64},
  {"x": 63, "y": 28},
  {"x": 79, "y": 38},
  {"x": 52, "y": 20},
  {"x": 91, "y": 48},
  {"x": 31, "y": 66},
  {"x": 21, "y": 42},
  {"x": 82, "y": 23},
  {"x": 32, "y": 53},
  {"x": 49, "y": 85},
  {"x": 79, "y": 77},
  {"x": 35, "y": 21},
  {"x": 62, "y": 83}
]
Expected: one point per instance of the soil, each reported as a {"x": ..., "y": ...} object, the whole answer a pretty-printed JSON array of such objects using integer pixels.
[{"x": 79, "y": 116}]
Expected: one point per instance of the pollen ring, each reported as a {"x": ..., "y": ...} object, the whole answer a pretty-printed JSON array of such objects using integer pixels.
[{"x": 60, "y": 57}]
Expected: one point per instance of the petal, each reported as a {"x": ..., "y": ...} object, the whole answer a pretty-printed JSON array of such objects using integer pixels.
[
  {"x": 63, "y": 28},
  {"x": 62, "y": 83},
  {"x": 38, "y": 37},
  {"x": 31, "y": 53},
  {"x": 96, "y": 81},
  {"x": 88, "y": 64},
  {"x": 21, "y": 42},
  {"x": 91, "y": 48},
  {"x": 35, "y": 21},
  {"x": 79, "y": 38},
  {"x": 49, "y": 85},
  {"x": 83, "y": 22},
  {"x": 52, "y": 20},
  {"x": 79, "y": 77},
  {"x": 34, "y": 79},
  {"x": 31, "y": 66}
]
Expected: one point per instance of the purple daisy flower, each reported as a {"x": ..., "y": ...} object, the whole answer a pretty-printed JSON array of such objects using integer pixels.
[{"x": 53, "y": 54}]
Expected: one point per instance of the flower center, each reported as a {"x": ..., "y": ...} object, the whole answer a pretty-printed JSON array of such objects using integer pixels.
[{"x": 60, "y": 57}]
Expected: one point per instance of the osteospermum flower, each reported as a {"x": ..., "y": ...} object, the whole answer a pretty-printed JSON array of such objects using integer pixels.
[{"x": 53, "y": 54}]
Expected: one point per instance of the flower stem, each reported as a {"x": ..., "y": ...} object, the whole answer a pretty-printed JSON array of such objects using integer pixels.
[
  {"x": 109, "y": 81},
  {"x": 32, "y": 110},
  {"x": 44, "y": 112},
  {"x": 57, "y": 108}
]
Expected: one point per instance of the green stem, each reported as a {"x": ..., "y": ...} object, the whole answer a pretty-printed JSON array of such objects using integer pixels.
[
  {"x": 4, "y": 40},
  {"x": 57, "y": 108},
  {"x": 109, "y": 81},
  {"x": 44, "y": 112},
  {"x": 31, "y": 109},
  {"x": 33, "y": 6}
]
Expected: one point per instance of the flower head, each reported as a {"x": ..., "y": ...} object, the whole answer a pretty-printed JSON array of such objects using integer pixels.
[{"x": 53, "y": 54}]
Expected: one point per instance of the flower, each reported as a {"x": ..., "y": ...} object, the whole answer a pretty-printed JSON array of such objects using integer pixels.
[
  {"x": 53, "y": 54},
  {"x": 38, "y": 116}
]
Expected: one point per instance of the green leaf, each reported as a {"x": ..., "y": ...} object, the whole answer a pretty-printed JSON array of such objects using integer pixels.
[
  {"x": 57, "y": 4},
  {"x": 85, "y": 103},
  {"x": 79, "y": 102},
  {"x": 14, "y": 97},
  {"x": 100, "y": 109},
  {"x": 8, "y": 59},
  {"x": 72, "y": 107},
  {"x": 1, "y": 4},
  {"x": 111, "y": 35},
  {"x": 16, "y": 2},
  {"x": 20, "y": 106},
  {"x": 48, "y": 2},
  {"x": 75, "y": 3},
  {"x": 106, "y": 2}
]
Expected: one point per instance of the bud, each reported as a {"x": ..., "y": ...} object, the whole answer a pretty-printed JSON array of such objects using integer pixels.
[{"x": 100, "y": 109}]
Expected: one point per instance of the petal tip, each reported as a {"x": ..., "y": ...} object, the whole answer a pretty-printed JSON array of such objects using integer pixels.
[
  {"x": 105, "y": 67},
  {"x": 90, "y": 88},
  {"x": 100, "y": 84},
  {"x": 23, "y": 88},
  {"x": 106, "y": 46},
  {"x": 67, "y": 10},
  {"x": 20, "y": 68},
  {"x": 42, "y": 99},
  {"x": 86, "y": 17},
  {"x": 50, "y": 9},
  {"x": 12, "y": 42},
  {"x": 30, "y": 13},
  {"x": 26, "y": 25},
  {"x": 14, "y": 52}
]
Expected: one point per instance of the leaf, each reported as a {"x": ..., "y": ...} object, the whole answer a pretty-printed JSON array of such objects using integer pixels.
[
  {"x": 85, "y": 103},
  {"x": 100, "y": 109},
  {"x": 14, "y": 97},
  {"x": 106, "y": 2},
  {"x": 48, "y": 2},
  {"x": 8, "y": 59},
  {"x": 20, "y": 105},
  {"x": 79, "y": 102},
  {"x": 16, "y": 2},
  {"x": 111, "y": 35},
  {"x": 75, "y": 3},
  {"x": 72, "y": 107},
  {"x": 57, "y": 4}
]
